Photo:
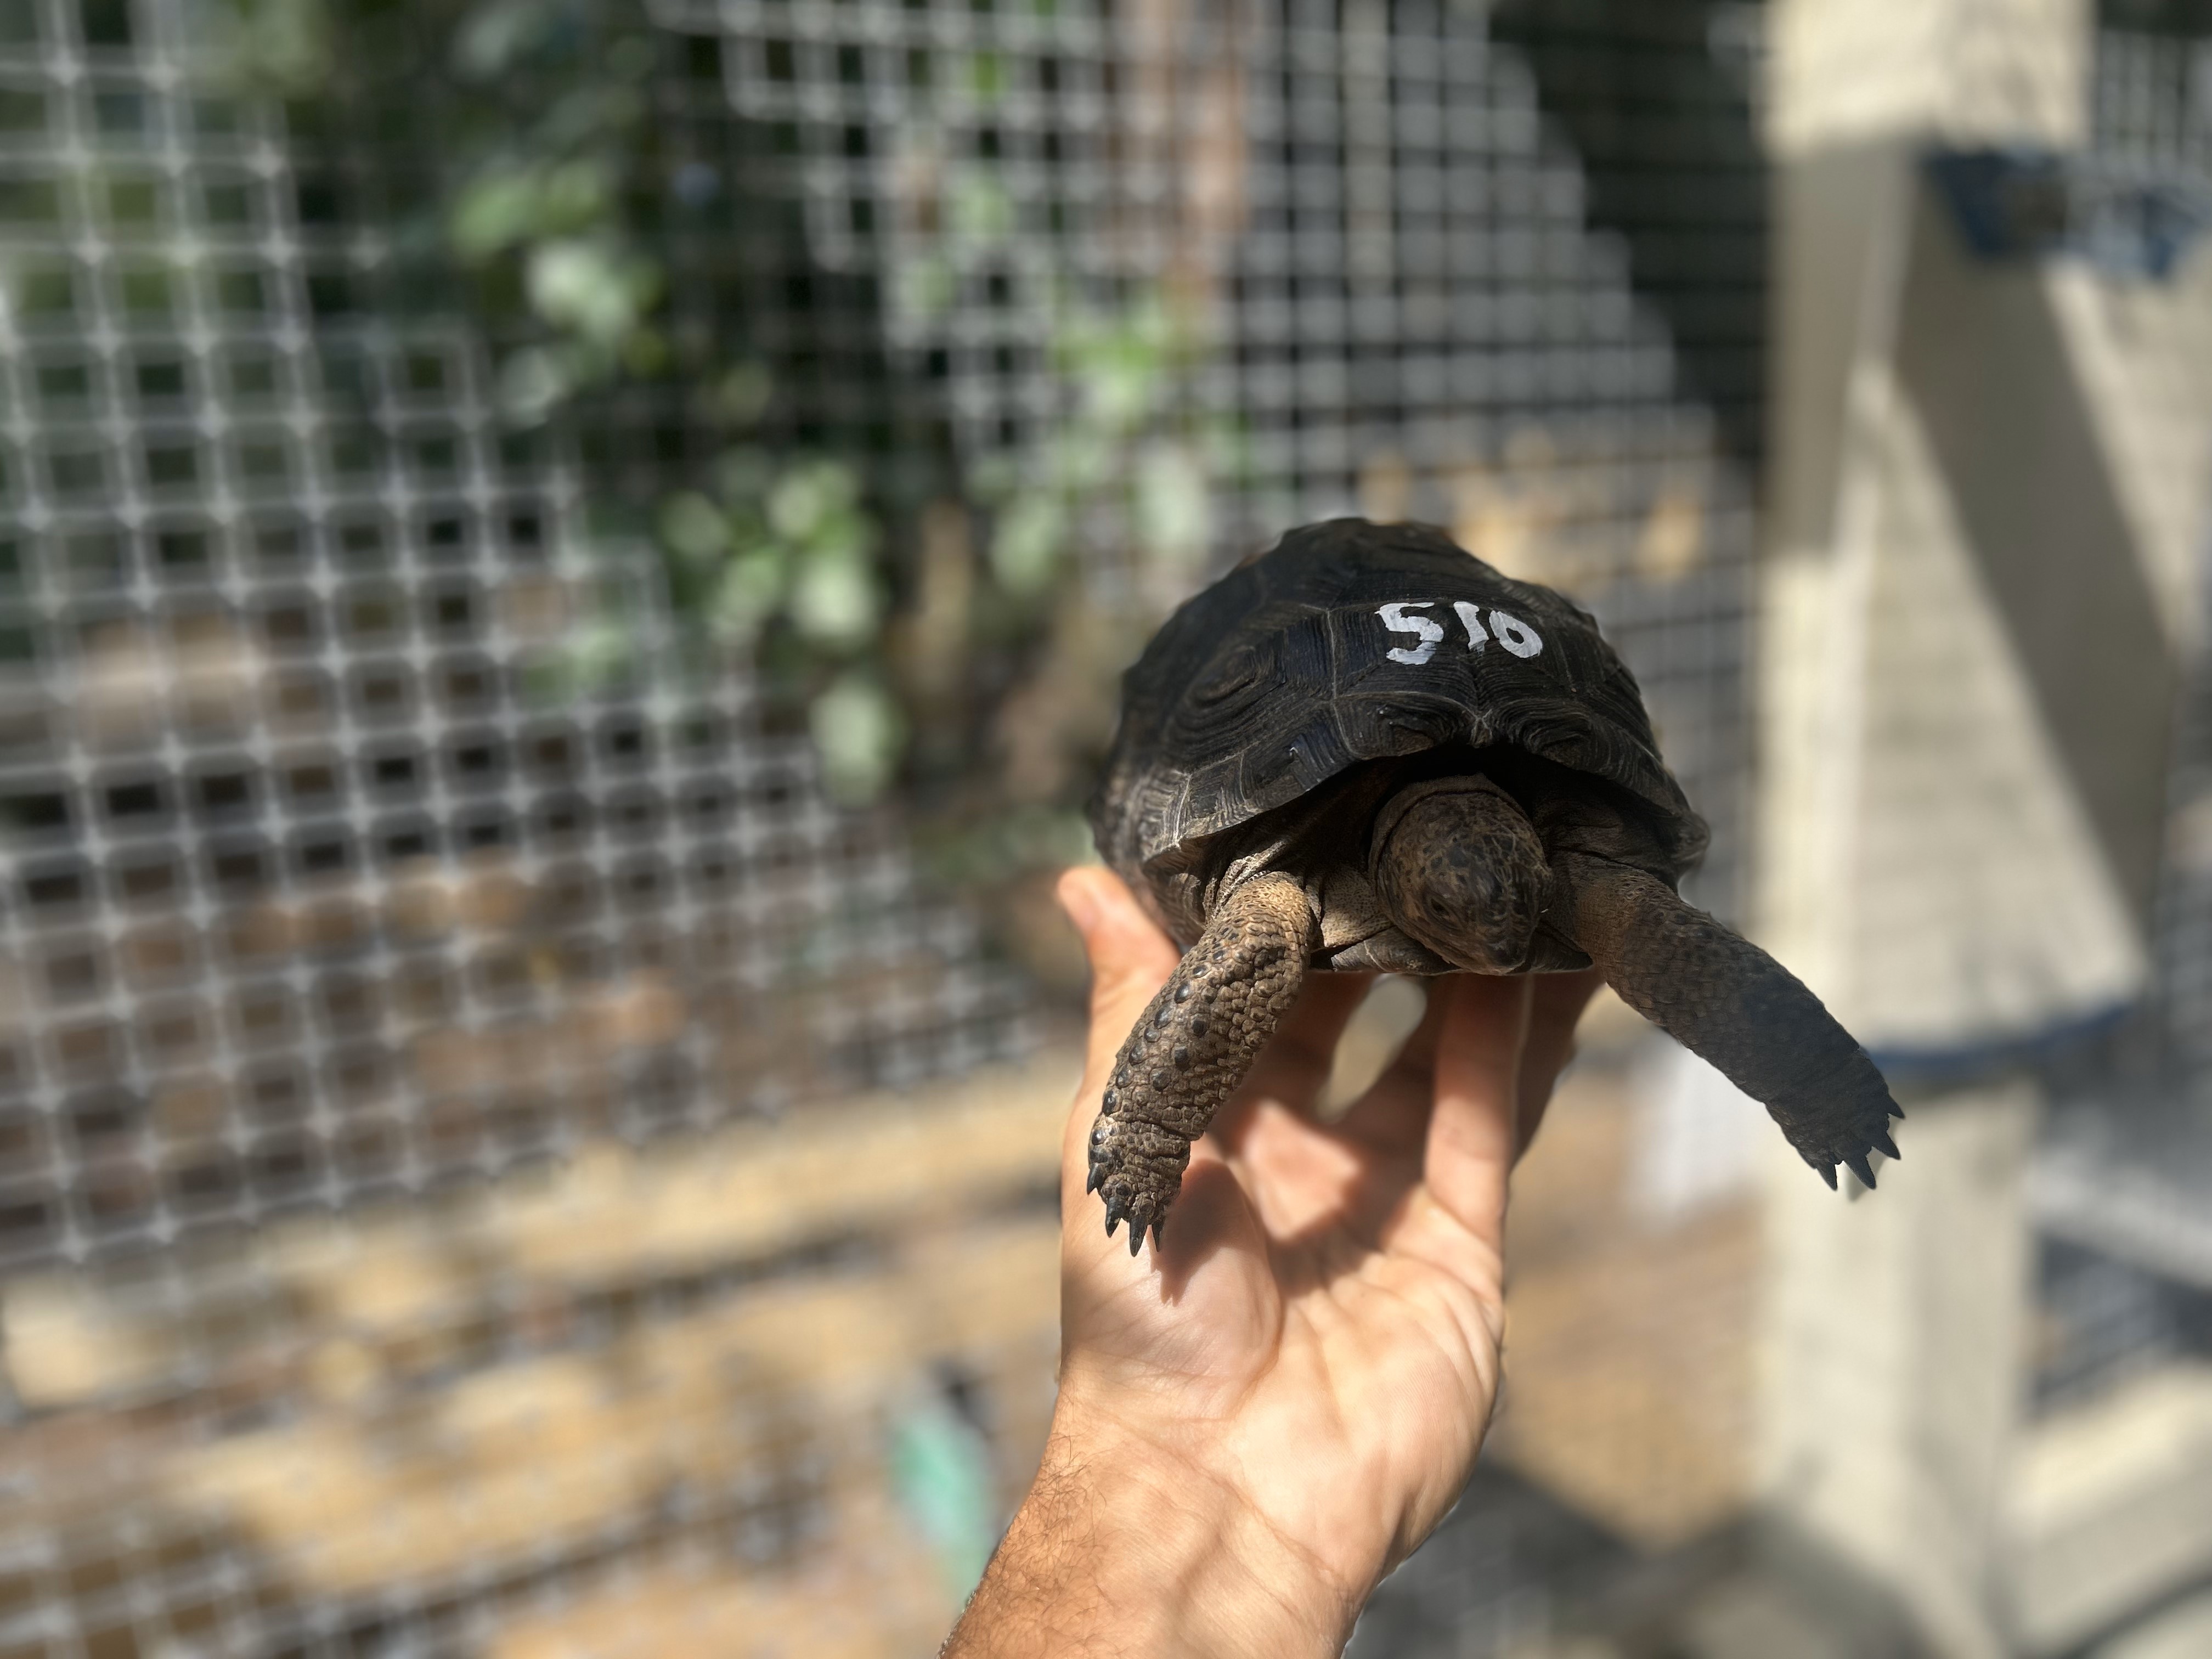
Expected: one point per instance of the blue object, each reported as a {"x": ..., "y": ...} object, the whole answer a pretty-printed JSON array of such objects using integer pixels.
[{"x": 2024, "y": 202}]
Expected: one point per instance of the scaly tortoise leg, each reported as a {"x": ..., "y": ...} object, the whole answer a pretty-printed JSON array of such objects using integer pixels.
[
  {"x": 1193, "y": 1047},
  {"x": 1726, "y": 1000}
]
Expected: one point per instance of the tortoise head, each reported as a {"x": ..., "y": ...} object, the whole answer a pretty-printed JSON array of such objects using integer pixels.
[{"x": 1459, "y": 868}]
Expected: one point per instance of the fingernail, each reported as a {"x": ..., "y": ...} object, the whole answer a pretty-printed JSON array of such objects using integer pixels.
[{"x": 1077, "y": 900}]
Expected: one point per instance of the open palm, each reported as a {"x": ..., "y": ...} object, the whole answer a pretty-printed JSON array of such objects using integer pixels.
[{"x": 1316, "y": 1337}]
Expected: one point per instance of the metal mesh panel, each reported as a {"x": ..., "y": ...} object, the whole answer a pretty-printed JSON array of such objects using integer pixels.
[
  {"x": 2151, "y": 100},
  {"x": 356, "y": 1295},
  {"x": 312, "y": 895},
  {"x": 1408, "y": 312}
]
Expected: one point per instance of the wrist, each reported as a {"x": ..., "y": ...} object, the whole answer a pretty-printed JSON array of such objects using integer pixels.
[{"x": 1125, "y": 1547}]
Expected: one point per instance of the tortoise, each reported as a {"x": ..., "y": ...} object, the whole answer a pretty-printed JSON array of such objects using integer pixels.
[{"x": 1368, "y": 749}]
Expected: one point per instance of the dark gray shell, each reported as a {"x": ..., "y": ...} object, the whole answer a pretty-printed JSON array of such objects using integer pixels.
[{"x": 1279, "y": 677}]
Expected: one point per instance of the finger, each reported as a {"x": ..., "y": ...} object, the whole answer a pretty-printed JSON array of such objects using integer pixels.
[
  {"x": 1556, "y": 1004},
  {"x": 1393, "y": 1115},
  {"x": 1293, "y": 1168},
  {"x": 1130, "y": 959},
  {"x": 1474, "y": 1126}
]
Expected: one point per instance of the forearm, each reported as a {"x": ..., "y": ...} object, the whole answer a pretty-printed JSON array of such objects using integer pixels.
[{"x": 1119, "y": 1551}]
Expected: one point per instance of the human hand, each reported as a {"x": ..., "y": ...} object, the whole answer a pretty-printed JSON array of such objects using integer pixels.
[{"x": 1260, "y": 1420}]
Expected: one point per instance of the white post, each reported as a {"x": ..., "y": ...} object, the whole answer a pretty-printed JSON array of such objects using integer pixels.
[{"x": 1970, "y": 649}]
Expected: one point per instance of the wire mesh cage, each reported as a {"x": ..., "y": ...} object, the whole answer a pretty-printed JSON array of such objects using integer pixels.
[
  {"x": 501, "y": 1149},
  {"x": 309, "y": 874},
  {"x": 353, "y": 1301}
]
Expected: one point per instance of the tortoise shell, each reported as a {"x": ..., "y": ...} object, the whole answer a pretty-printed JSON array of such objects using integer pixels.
[{"x": 1351, "y": 642}]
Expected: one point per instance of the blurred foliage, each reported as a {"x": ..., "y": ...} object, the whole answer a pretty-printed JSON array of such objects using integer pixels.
[
  {"x": 982, "y": 684},
  {"x": 1118, "y": 438}
]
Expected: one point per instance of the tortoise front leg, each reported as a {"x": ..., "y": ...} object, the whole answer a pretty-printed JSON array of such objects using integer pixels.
[
  {"x": 1193, "y": 1047},
  {"x": 1726, "y": 1000}
]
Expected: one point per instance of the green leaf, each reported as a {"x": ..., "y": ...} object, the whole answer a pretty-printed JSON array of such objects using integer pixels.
[
  {"x": 593, "y": 285},
  {"x": 284, "y": 45},
  {"x": 1026, "y": 544},
  {"x": 495, "y": 36},
  {"x": 751, "y": 585},
  {"x": 978, "y": 207},
  {"x": 807, "y": 497},
  {"x": 694, "y": 528},
  {"x": 574, "y": 195},
  {"x": 859, "y": 732},
  {"x": 1085, "y": 459},
  {"x": 1171, "y": 509},
  {"x": 601, "y": 650},
  {"x": 597, "y": 113},
  {"x": 834, "y": 601},
  {"x": 845, "y": 532},
  {"x": 494, "y": 212},
  {"x": 534, "y": 379},
  {"x": 507, "y": 205},
  {"x": 926, "y": 287},
  {"x": 986, "y": 75}
]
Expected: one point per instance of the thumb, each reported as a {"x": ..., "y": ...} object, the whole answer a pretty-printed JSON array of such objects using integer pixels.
[{"x": 1130, "y": 959}]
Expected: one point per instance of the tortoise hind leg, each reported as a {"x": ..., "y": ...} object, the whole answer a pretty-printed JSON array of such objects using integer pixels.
[
  {"x": 1193, "y": 1046},
  {"x": 1728, "y": 1002}
]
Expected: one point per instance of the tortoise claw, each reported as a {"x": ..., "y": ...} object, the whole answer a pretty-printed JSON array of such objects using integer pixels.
[
  {"x": 1860, "y": 1167},
  {"x": 1117, "y": 1211},
  {"x": 1887, "y": 1147},
  {"x": 1136, "y": 1237},
  {"x": 1827, "y": 1174},
  {"x": 1097, "y": 1174}
]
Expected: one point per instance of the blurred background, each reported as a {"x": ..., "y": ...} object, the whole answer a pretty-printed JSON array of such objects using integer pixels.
[{"x": 563, "y": 570}]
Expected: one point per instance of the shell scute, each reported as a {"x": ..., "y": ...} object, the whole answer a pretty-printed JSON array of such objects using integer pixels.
[{"x": 1280, "y": 678}]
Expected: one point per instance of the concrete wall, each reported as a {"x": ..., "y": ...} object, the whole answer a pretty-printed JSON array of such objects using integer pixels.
[{"x": 1987, "y": 485}]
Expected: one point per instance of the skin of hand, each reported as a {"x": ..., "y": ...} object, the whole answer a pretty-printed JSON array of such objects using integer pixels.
[{"x": 1262, "y": 1416}]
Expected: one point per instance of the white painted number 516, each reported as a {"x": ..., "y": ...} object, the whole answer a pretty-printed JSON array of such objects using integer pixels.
[{"x": 1507, "y": 629}]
